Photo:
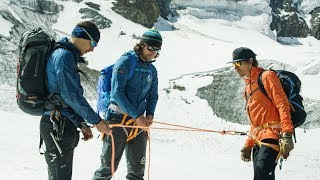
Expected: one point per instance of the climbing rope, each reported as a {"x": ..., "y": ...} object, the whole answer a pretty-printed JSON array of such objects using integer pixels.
[{"x": 175, "y": 128}]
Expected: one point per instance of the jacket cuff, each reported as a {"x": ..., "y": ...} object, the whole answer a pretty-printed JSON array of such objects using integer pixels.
[
  {"x": 249, "y": 142},
  {"x": 83, "y": 124},
  {"x": 96, "y": 121},
  {"x": 148, "y": 113},
  {"x": 137, "y": 116}
]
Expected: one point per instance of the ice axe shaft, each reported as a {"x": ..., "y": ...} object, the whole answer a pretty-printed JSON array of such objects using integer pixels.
[{"x": 56, "y": 143}]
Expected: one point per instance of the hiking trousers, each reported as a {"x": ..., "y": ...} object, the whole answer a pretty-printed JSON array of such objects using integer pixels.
[
  {"x": 264, "y": 161},
  {"x": 135, "y": 151},
  {"x": 59, "y": 166}
]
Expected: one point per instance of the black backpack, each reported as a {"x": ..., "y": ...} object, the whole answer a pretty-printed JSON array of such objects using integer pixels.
[
  {"x": 291, "y": 85},
  {"x": 35, "y": 47}
]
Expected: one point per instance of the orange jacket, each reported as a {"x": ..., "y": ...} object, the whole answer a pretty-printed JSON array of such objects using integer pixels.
[{"x": 261, "y": 110}]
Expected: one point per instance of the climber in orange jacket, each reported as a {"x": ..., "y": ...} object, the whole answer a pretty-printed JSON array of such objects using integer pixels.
[{"x": 271, "y": 127}]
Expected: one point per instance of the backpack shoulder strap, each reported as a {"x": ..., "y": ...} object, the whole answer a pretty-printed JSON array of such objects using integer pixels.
[
  {"x": 260, "y": 84},
  {"x": 58, "y": 45}
]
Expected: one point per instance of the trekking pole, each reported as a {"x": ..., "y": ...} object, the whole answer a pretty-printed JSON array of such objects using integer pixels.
[{"x": 56, "y": 143}]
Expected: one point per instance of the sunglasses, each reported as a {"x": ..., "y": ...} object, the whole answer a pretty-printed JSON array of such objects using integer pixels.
[
  {"x": 93, "y": 43},
  {"x": 153, "y": 49},
  {"x": 237, "y": 64}
]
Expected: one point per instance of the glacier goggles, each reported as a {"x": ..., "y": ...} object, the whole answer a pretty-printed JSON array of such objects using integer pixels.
[
  {"x": 153, "y": 49},
  {"x": 93, "y": 43}
]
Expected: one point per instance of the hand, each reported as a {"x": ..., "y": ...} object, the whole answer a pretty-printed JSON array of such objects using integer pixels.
[
  {"x": 87, "y": 133},
  {"x": 286, "y": 144},
  {"x": 246, "y": 154},
  {"x": 150, "y": 120},
  {"x": 142, "y": 121},
  {"x": 103, "y": 127}
]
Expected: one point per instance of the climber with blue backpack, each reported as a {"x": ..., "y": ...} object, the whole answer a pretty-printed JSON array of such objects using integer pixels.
[
  {"x": 65, "y": 109},
  {"x": 274, "y": 108},
  {"x": 128, "y": 95}
]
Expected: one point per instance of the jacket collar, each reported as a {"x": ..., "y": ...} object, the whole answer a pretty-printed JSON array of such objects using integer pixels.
[
  {"x": 70, "y": 47},
  {"x": 254, "y": 73},
  {"x": 139, "y": 58}
]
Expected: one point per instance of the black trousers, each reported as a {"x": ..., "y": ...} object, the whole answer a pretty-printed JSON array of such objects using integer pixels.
[
  {"x": 135, "y": 151},
  {"x": 59, "y": 166},
  {"x": 264, "y": 161}
]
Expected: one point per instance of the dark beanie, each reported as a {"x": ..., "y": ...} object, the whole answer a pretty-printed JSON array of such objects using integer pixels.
[
  {"x": 79, "y": 32},
  {"x": 152, "y": 37}
]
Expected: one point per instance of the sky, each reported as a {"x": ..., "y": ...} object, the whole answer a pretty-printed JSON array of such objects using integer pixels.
[{"x": 202, "y": 42}]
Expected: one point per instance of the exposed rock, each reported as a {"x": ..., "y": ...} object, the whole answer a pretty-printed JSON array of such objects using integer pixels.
[
  {"x": 313, "y": 115},
  {"x": 93, "y": 5},
  {"x": 90, "y": 82},
  {"x": 315, "y": 23},
  {"x": 139, "y": 11},
  {"x": 77, "y": 1},
  {"x": 8, "y": 59},
  {"x": 122, "y": 33},
  {"x": 27, "y": 15},
  {"x": 39, "y": 6},
  {"x": 165, "y": 9},
  {"x": 134, "y": 36},
  {"x": 225, "y": 96},
  {"x": 180, "y": 88},
  {"x": 287, "y": 20},
  {"x": 49, "y": 7},
  {"x": 101, "y": 21}
]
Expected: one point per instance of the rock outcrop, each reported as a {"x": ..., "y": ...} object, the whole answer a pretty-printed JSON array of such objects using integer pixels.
[
  {"x": 139, "y": 11},
  {"x": 315, "y": 22},
  {"x": 287, "y": 19}
]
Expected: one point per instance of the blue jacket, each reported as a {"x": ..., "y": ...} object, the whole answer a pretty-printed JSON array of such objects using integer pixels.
[
  {"x": 139, "y": 94},
  {"x": 63, "y": 78}
]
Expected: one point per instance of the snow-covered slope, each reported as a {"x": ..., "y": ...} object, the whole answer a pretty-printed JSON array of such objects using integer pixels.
[{"x": 202, "y": 41}]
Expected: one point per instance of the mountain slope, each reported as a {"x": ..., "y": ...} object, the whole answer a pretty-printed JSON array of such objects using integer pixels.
[{"x": 196, "y": 41}]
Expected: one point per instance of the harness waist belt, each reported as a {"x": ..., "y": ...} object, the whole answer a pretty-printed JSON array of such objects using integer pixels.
[{"x": 272, "y": 125}]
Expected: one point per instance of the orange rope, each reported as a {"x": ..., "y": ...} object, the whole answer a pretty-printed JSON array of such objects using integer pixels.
[
  {"x": 180, "y": 128},
  {"x": 149, "y": 156},
  {"x": 223, "y": 132},
  {"x": 183, "y": 128},
  {"x": 113, "y": 149}
]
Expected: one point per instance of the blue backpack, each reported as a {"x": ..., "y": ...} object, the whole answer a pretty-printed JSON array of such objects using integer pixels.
[
  {"x": 104, "y": 82},
  {"x": 291, "y": 85}
]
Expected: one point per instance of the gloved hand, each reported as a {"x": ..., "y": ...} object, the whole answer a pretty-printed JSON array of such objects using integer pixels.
[
  {"x": 87, "y": 133},
  {"x": 150, "y": 120},
  {"x": 286, "y": 144},
  {"x": 142, "y": 121},
  {"x": 246, "y": 154},
  {"x": 103, "y": 127}
]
